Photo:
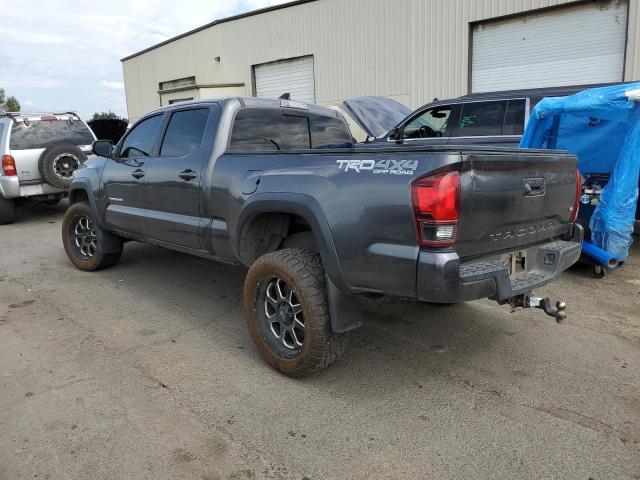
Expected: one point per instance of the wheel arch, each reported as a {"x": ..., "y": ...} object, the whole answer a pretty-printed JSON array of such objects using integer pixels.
[{"x": 345, "y": 313}]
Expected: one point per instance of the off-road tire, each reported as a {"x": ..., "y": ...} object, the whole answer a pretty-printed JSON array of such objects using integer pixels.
[
  {"x": 54, "y": 158},
  {"x": 303, "y": 271},
  {"x": 7, "y": 211},
  {"x": 98, "y": 260}
]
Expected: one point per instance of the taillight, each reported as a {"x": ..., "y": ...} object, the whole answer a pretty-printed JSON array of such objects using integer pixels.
[
  {"x": 576, "y": 203},
  {"x": 436, "y": 208},
  {"x": 9, "y": 165}
]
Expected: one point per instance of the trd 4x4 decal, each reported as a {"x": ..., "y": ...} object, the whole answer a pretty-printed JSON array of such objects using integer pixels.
[{"x": 391, "y": 167}]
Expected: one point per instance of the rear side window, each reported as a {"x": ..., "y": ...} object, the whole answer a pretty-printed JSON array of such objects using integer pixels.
[
  {"x": 481, "y": 119},
  {"x": 184, "y": 133},
  {"x": 329, "y": 132},
  {"x": 46, "y": 133},
  {"x": 140, "y": 140},
  {"x": 514, "y": 119},
  {"x": 269, "y": 130}
]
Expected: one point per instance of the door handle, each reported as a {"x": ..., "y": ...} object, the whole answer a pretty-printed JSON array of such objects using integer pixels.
[
  {"x": 188, "y": 175},
  {"x": 137, "y": 173}
]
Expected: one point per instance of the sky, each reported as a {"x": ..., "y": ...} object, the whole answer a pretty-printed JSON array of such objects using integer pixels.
[{"x": 58, "y": 55}]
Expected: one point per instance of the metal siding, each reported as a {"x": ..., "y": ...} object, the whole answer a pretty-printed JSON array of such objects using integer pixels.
[
  {"x": 572, "y": 46},
  {"x": 410, "y": 50},
  {"x": 293, "y": 76}
]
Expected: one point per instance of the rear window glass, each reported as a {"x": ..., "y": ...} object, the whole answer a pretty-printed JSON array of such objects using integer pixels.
[
  {"x": 481, "y": 119},
  {"x": 269, "y": 130},
  {"x": 328, "y": 132},
  {"x": 514, "y": 119},
  {"x": 46, "y": 133},
  {"x": 184, "y": 133}
]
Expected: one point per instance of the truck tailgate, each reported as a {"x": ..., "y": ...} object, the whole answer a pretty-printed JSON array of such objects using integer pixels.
[{"x": 514, "y": 200}]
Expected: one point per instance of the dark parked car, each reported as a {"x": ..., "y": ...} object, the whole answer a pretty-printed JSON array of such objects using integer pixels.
[
  {"x": 495, "y": 118},
  {"x": 278, "y": 186}
]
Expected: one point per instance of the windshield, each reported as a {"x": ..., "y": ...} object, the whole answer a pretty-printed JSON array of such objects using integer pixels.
[
  {"x": 376, "y": 115},
  {"x": 45, "y": 133}
]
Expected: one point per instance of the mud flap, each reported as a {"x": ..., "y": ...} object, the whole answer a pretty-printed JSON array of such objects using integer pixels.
[{"x": 345, "y": 312}]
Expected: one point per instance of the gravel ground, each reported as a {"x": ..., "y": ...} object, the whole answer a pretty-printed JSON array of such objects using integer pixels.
[{"x": 146, "y": 371}]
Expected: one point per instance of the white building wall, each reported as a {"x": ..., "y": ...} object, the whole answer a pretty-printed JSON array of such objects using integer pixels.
[{"x": 411, "y": 50}]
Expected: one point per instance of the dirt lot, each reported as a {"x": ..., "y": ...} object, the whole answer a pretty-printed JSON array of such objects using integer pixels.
[{"x": 147, "y": 371}]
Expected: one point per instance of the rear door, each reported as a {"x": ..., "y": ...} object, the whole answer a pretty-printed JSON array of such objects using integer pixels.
[
  {"x": 498, "y": 123},
  {"x": 124, "y": 177},
  {"x": 173, "y": 183}
]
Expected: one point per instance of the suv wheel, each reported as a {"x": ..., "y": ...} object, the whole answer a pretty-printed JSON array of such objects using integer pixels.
[
  {"x": 285, "y": 303},
  {"x": 7, "y": 211},
  {"x": 80, "y": 239},
  {"x": 58, "y": 163}
]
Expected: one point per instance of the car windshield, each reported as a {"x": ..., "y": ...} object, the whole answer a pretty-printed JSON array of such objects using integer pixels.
[{"x": 45, "y": 133}]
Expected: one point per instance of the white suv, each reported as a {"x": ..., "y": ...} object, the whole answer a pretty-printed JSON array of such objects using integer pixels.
[{"x": 39, "y": 154}]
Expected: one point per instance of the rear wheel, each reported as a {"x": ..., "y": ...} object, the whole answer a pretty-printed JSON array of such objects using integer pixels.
[
  {"x": 7, "y": 211},
  {"x": 80, "y": 239},
  {"x": 285, "y": 303}
]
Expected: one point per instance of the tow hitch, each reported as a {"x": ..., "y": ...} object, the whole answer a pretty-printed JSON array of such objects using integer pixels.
[{"x": 559, "y": 312}]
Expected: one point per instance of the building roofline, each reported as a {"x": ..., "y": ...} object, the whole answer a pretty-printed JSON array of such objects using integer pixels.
[{"x": 217, "y": 22}]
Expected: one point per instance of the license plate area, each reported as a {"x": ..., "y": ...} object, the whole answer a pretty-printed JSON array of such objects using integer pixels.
[{"x": 516, "y": 262}]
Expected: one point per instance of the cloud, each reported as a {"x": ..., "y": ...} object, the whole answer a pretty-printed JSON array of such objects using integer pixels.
[
  {"x": 76, "y": 65},
  {"x": 112, "y": 86}
]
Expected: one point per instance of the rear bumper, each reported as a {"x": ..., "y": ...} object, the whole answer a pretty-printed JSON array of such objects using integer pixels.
[
  {"x": 443, "y": 278},
  {"x": 9, "y": 186}
]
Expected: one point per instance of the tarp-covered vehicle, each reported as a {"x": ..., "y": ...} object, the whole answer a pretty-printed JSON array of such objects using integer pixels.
[{"x": 601, "y": 127}]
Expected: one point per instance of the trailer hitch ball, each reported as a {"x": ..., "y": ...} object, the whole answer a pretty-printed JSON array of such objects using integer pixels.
[{"x": 559, "y": 312}]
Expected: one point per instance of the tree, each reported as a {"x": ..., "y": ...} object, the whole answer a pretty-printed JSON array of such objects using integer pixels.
[
  {"x": 12, "y": 104},
  {"x": 8, "y": 104},
  {"x": 105, "y": 116}
]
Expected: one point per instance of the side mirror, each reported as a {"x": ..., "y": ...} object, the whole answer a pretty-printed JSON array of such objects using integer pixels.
[
  {"x": 102, "y": 148},
  {"x": 397, "y": 134}
]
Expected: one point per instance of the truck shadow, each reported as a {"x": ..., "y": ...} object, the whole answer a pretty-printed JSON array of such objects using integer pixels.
[{"x": 402, "y": 341}]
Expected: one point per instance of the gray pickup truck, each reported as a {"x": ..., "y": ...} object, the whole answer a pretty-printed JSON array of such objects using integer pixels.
[{"x": 279, "y": 187}]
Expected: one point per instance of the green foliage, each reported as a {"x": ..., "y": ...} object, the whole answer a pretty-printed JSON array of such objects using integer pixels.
[
  {"x": 12, "y": 104},
  {"x": 107, "y": 116},
  {"x": 8, "y": 104}
]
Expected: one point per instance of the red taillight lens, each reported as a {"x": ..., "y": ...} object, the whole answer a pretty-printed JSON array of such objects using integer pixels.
[
  {"x": 436, "y": 208},
  {"x": 8, "y": 165},
  {"x": 576, "y": 203}
]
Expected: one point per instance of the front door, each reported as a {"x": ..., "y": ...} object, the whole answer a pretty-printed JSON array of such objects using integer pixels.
[
  {"x": 173, "y": 179},
  {"x": 124, "y": 177},
  {"x": 430, "y": 127}
]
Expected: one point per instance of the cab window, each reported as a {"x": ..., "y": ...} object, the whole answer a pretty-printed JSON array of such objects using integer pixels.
[
  {"x": 140, "y": 141},
  {"x": 256, "y": 129},
  {"x": 432, "y": 123},
  {"x": 481, "y": 119}
]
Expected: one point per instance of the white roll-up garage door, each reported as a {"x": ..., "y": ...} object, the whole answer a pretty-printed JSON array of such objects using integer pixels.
[
  {"x": 575, "y": 45},
  {"x": 293, "y": 76}
]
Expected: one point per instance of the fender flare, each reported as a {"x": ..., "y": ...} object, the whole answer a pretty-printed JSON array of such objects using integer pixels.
[
  {"x": 107, "y": 242},
  {"x": 346, "y": 314}
]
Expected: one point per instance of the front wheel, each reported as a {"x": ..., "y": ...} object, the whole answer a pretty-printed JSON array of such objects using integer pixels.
[
  {"x": 80, "y": 240},
  {"x": 287, "y": 312}
]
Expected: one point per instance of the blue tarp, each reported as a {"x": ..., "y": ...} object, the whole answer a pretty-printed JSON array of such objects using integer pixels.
[{"x": 601, "y": 126}]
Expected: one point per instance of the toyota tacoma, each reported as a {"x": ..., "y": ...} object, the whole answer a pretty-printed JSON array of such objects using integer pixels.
[{"x": 280, "y": 187}]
